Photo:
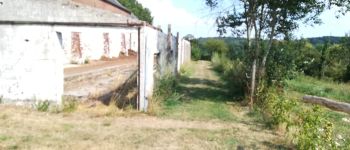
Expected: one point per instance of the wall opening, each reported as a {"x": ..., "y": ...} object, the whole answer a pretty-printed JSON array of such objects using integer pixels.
[
  {"x": 60, "y": 39},
  {"x": 76, "y": 45},
  {"x": 106, "y": 47}
]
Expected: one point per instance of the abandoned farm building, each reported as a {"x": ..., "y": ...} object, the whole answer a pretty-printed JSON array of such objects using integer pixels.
[{"x": 81, "y": 48}]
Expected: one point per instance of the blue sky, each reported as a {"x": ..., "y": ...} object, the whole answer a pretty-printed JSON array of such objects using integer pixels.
[{"x": 193, "y": 17}]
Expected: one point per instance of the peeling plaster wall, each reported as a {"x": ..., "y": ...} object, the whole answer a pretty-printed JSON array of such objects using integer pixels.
[
  {"x": 92, "y": 42},
  {"x": 31, "y": 66},
  {"x": 32, "y": 56}
]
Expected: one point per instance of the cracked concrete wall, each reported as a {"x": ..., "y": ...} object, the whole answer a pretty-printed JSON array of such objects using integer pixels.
[{"x": 31, "y": 66}]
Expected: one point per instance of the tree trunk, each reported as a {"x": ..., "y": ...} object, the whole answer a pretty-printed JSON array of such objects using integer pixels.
[
  {"x": 329, "y": 103},
  {"x": 269, "y": 46},
  {"x": 252, "y": 86}
]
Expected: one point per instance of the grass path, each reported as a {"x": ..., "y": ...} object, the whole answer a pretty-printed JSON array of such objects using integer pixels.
[{"x": 202, "y": 119}]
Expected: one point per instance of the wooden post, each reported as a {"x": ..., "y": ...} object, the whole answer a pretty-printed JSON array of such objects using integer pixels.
[
  {"x": 169, "y": 38},
  {"x": 177, "y": 63},
  {"x": 329, "y": 103},
  {"x": 138, "y": 66}
]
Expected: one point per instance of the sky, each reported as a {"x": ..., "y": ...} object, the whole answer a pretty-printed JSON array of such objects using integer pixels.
[{"x": 194, "y": 17}]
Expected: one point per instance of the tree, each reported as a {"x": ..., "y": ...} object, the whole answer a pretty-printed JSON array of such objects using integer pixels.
[
  {"x": 216, "y": 46},
  {"x": 138, "y": 10},
  {"x": 265, "y": 20}
]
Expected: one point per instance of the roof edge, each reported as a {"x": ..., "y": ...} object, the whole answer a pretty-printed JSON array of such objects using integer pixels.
[{"x": 119, "y": 6}]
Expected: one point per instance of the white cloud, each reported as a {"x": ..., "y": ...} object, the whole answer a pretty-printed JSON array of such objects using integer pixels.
[{"x": 183, "y": 21}]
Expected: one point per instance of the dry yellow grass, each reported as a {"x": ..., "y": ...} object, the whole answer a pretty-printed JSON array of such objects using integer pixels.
[
  {"x": 96, "y": 126},
  {"x": 105, "y": 127}
]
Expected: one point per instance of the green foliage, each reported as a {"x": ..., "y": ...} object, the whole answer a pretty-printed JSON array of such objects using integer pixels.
[
  {"x": 274, "y": 106},
  {"x": 164, "y": 93},
  {"x": 216, "y": 46},
  {"x": 308, "y": 58},
  {"x": 138, "y": 10},
  {"x": 195, "y": 52},
  {"x": 322, "y": 88},
  {"x": 43, "y": 106},
  {"x": 232, "y": 72},
  {"x": 315, "y": 131},
  {"x": 165, "y": 86},
  {"x": 281, "y": 64},
  {"x": 337, "y": 60},
  {"x": 347, "y": 74},
  {"x": 69, "y": 105}
]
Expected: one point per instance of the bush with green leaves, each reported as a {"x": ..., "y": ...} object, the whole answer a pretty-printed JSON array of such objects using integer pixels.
[
  {"x": 281, "y": 64},
  {"x": 216, "y": 46},
  {"x": 275, "y": 107},
  {"x": 308, "y": 58},
  {"x": 232, "y": 72},
  {"x": 337, "y": 61},
  {"x": 196, "y": 53},
  {"x": 315, "y": 131},
  {"x": 42, "y": 106}
]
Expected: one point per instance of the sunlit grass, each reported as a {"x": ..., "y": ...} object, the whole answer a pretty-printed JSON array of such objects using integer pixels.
[
  {"x": 304, "y": 85},
  {"x": 323, "y": 88}
]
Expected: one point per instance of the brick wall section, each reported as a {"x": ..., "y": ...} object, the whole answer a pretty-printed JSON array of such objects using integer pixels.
[
  {"x": 103, "y": 5},
  {"x": 76, "y": 46}
]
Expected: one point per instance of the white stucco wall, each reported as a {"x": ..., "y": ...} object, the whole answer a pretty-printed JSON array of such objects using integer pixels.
[
  {"x": 184, "y": 53},
  {"x": 33, "y": 56},
  {"x": 31, "y": 65}
]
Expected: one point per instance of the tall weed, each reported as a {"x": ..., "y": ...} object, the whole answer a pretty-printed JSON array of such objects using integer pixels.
[
  {"x": 165, "y": 88},
  {"x": 232, "y": 72}
]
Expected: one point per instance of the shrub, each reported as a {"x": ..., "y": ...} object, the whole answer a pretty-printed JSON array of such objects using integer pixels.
[
  {"x": 308, "y": 59},
  {"x": 233, "y": 73},
  {"x": 216, "y": 46},
  {"x": 43, "y": 106},
  {"x": 196, "y": 53},
  {"x": 315, "y": 131},
  {"x": 69, "y": 105},
  {"x": 276, "y": 108}
]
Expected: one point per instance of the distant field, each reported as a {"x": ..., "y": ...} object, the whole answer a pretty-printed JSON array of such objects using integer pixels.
[{"x": 312, "y": 86}]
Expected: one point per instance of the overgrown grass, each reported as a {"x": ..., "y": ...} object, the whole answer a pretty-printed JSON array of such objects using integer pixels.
[
  {"x": 191, "y": 97},
  {"x": 323, "y": 88}
]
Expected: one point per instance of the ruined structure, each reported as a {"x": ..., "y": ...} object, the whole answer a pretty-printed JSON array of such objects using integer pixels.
[{"x": 44, "y": 42}]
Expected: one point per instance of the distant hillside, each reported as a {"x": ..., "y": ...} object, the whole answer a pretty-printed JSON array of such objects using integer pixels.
[
  {"x": 324, "y": 39},
  {"x": 228, "y": 40},
  {"x": 314, "y": 41}
]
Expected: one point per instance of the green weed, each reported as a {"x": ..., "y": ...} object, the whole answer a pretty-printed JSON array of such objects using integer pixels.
[
  {"x": 43, "y": 106},
  {"x": 69, "y": 105}
]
